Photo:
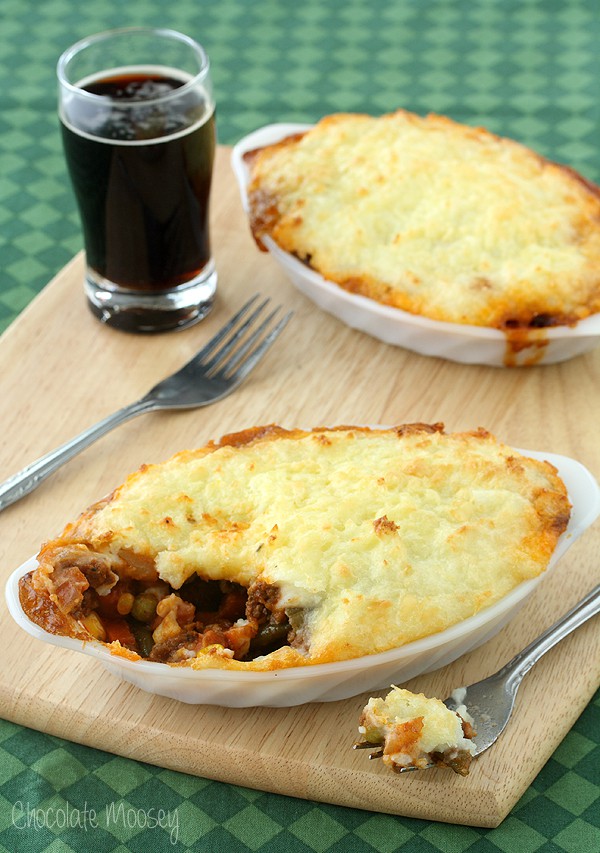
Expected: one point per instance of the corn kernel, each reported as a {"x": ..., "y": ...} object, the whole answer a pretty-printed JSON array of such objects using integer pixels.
[
  {"x": 125, "y": 603},
  {"x": 215, "y": 649},
  {"x": 93, "y": 624}
]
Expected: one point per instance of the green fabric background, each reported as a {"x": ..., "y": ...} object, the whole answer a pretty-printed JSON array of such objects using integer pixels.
[{"x": 530, "y": 70}]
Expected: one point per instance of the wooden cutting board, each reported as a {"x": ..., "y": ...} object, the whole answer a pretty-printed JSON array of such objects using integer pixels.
[{"x": 62, "y": 371}]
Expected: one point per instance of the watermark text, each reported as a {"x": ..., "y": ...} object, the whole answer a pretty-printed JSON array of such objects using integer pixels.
[{"x": 28, "y": 817}]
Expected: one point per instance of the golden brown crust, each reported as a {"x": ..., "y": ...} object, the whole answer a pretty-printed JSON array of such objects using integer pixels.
[
  {"x": 340, "y": 535},
  {"x": 43, "y": 611},
  {"x": 435, "y": 218}
]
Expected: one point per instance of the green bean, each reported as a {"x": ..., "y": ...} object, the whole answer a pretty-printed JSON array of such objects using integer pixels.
[
  {"x": 143, "y": 638},
  {"x": 269, "y": 634}
]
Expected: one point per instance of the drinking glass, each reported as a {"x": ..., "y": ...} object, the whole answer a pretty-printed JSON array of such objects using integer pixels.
[{"x": 137, "y": 116}]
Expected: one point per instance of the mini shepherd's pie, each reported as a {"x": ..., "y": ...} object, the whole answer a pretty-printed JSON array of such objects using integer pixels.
[
  {"x": 274, "y": 548},
  {"x": 433, "y": 217},
  {"x": 416, "y": 731}
]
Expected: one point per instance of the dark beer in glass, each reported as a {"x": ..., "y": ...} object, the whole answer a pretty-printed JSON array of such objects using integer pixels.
[{"x": 139, "y": 141}]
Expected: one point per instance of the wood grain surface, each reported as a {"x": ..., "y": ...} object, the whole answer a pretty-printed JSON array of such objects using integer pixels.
[{"x": 62, "y": 371}]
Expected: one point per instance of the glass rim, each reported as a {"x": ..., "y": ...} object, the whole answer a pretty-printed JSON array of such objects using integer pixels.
[{"x": 79, "y": 46}]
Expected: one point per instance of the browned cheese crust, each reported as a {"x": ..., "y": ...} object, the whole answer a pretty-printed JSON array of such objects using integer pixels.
[
  {"x": 274, "y": 548},
  {"x": 433, "y": 217}
]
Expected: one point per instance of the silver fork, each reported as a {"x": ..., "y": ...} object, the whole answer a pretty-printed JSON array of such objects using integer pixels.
[
  {"x": 490, "y": 702},
  {"x": 213, "y": 373}
]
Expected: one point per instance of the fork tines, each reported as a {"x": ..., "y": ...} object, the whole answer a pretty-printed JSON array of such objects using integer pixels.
[
  {"x": 238, "y": 346},
  {"x": 378, "y": 749}
]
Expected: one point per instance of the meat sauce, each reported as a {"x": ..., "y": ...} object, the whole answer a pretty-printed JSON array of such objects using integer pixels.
[{"x": 158, "y": 623}]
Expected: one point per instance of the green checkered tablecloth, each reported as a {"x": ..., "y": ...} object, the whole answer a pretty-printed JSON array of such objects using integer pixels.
[{"x": 529, "y": 69}]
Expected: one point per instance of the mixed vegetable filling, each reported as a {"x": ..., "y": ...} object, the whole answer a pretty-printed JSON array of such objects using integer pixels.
[
  {"x": 162, "y": 625},
  {"x": 144, "y": 614}
]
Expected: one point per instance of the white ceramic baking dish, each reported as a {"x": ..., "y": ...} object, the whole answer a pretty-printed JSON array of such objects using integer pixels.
[
  {"x": 453, "y": 341},
  {"x": 331, "y": 681}
]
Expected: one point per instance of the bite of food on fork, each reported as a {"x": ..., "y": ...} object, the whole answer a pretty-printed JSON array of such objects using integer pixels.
[
  {"x": 412, "y": 732},
  {"x": 416, "y": 732}
]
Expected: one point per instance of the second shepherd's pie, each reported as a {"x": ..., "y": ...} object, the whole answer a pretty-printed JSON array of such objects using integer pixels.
[
  {"x": 274, "y": 548},
  {"x": 433, "y": 217}
]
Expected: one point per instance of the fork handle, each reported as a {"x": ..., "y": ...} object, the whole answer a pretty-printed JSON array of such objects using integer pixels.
[
  {"x": 21, "y": 484},
  {"x": 520, "y": 665}
]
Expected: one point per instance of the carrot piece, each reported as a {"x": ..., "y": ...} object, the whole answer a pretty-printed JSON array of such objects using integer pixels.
[
  {"x": 118, "y": 629},
  {"x": 107, "y": 604}
]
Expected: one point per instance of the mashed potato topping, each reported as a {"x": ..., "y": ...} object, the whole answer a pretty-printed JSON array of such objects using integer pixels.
[
  {"x": 337, "y": 542},
  {"x": 433, "y": 217}
]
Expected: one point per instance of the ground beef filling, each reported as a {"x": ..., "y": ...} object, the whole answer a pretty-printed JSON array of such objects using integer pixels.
[{"x": 170, "y": 626}]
